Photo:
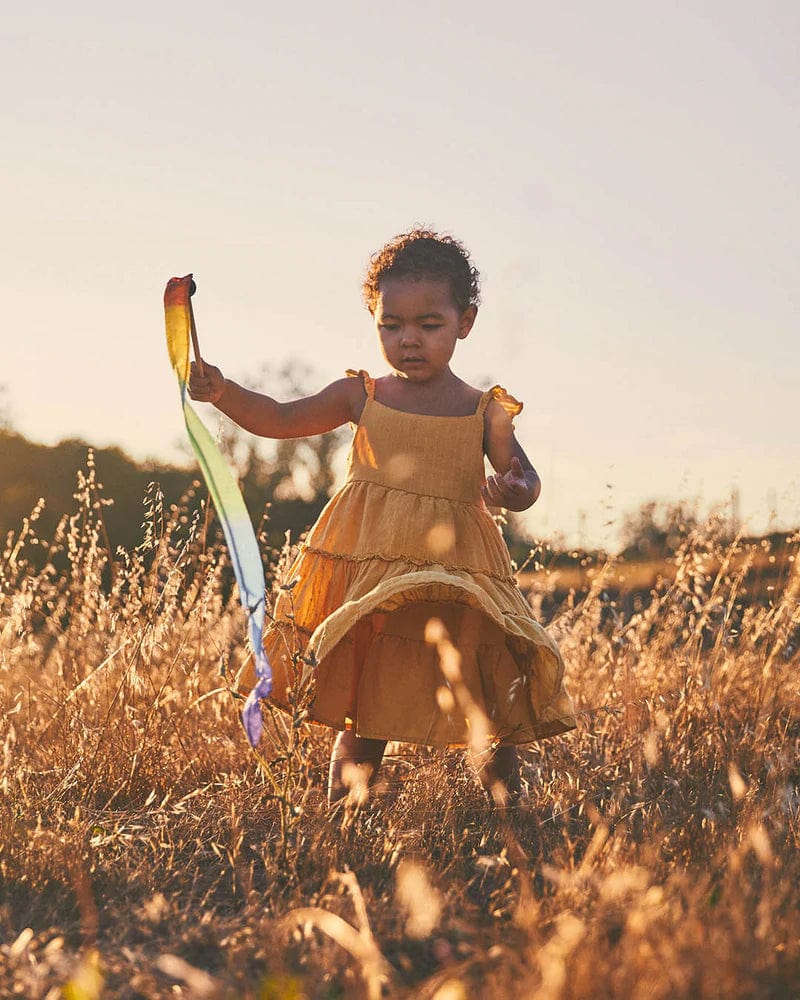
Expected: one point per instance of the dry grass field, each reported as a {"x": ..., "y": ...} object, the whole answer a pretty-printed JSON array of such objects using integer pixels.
[{"x": 145, "y": 851}]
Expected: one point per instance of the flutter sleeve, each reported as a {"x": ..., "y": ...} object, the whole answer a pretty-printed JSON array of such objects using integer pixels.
[
  {"x": 366, "y": 378},
  {"x": 511, "y": 405}
]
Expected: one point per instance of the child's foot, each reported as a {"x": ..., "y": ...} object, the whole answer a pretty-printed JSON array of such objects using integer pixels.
[
  {"x": 355, "y": 762},
  {"x": 498, "y": 771}
]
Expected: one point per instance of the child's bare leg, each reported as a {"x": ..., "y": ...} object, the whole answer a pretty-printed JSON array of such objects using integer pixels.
[
  {"x": 500, "y": 766},
  {"x": 354, "y": 761}
]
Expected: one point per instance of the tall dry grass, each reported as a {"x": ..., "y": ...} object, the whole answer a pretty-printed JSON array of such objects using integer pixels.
[{"x": 145, "y": 851}]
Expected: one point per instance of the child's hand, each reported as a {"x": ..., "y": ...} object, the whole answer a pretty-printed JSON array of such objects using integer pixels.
[
  {"x": 208, "y": 387},
  {"x": 512, "y": 491}
]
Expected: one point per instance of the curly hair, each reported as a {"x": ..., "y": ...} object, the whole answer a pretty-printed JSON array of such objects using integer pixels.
[{"x": 422, "y": 253}]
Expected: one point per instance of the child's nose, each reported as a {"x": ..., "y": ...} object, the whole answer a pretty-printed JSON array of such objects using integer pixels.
[{"x": 409, "y": 336}]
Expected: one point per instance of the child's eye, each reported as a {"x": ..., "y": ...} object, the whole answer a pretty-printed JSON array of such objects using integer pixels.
[{"x": 431, "y": 326}]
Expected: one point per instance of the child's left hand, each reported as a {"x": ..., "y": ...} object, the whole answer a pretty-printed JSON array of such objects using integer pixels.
[{"x": 512, "y": 491}]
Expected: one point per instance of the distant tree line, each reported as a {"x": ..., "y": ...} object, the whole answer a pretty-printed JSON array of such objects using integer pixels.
[
  {"x": 32, "y": 471},
  {"x": 296, "y": 477}
]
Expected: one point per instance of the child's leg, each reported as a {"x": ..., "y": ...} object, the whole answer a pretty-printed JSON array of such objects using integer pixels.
[
  {"x": 500, "y": 765},
  {"x": 354, "y": 761}
]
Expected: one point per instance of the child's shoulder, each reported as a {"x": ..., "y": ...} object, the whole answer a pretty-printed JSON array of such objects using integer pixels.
[{"x": 469, "y": 397}]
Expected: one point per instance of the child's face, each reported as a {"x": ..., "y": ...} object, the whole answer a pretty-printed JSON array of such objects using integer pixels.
[{"x": 419, "y": 325}]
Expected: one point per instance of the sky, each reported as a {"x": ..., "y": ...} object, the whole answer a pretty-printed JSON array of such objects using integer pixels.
[{"x": 624, "y": 174}]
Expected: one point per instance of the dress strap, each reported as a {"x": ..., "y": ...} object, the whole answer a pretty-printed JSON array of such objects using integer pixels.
[
  {"x": 366, "y": 378},
  {"x": 510, "y": 405}
]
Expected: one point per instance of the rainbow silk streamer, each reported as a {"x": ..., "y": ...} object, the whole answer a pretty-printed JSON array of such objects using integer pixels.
[{"x": 228, "y": 501}]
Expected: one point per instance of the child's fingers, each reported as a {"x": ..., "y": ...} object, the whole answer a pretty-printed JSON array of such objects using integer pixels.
[
  {"x": 209, "y": 371},
  {"x": 511, "y": 485},
  {"x": 205, "y": 387},
  {"x": 516, "y": 476},
  {"x": 486, "y": 493},
  {"x": 494, "y": 491},
  {"x": 200, "y": 389},
  {"x": 497, "y": 491}
]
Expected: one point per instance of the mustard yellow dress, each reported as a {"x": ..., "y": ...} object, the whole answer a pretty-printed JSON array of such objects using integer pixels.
[{"x": 407, "y": 538}]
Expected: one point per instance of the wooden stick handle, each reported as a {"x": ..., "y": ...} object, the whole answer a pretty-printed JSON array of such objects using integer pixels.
[{"x": 195, "y": 344}]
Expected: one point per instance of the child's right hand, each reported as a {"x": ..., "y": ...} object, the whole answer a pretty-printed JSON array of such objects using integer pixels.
[{"x": 208, "y": 387}]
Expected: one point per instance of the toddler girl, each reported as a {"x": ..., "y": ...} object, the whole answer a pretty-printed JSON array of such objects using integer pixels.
[{"x": 409, "y": 537}]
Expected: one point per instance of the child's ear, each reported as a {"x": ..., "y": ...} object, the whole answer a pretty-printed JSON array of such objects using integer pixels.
[{"x": 467, "y": 321}]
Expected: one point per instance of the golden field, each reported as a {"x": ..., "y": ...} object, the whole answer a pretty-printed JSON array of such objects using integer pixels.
[{"x": 146, "y": 851}]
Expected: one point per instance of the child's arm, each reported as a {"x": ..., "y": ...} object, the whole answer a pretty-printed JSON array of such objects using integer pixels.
[
  {"x": 336, "y": 404},
  {"x": 517, "y": 485}
]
